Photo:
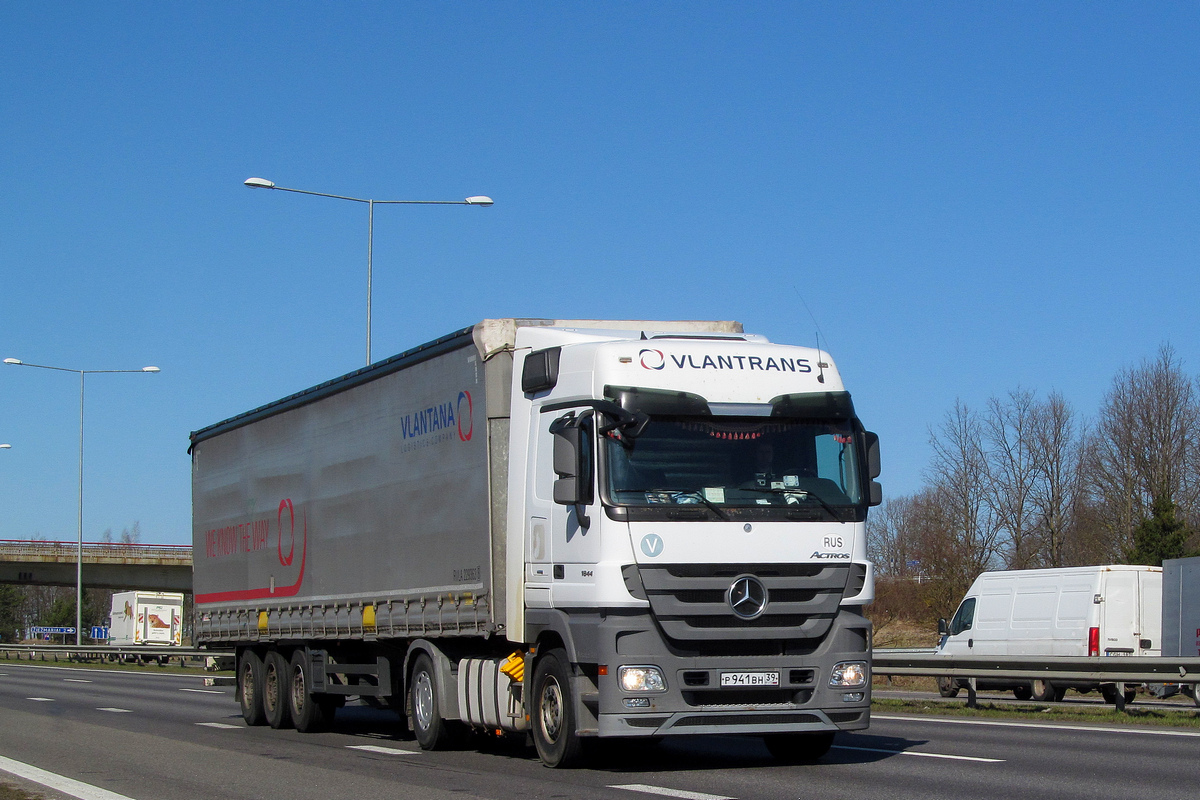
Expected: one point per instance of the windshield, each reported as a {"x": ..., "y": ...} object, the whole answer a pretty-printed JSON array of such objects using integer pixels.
[{"x": 735, "y": 462}]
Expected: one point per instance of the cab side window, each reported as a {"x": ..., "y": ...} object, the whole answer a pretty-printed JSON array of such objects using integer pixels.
[{"x": 964, "y": 617}]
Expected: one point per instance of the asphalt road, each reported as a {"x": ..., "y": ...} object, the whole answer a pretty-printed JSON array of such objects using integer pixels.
[{"x": 157, "y": 737}]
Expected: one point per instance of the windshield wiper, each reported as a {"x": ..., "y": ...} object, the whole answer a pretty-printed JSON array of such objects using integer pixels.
[
  {"x": 696, "y": 493},
  {"x": 800, "y": 493}
]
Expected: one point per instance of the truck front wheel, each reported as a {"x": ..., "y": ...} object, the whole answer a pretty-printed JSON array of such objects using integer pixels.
[
  {"x": 250, "y": 687},
  {"x": 275, "y": 692},
  {"x": 553, "y": 712},
  {"x": 425, "y": 708}
]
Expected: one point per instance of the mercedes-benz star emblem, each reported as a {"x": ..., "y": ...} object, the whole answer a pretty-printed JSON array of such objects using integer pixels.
[{"x": 747, "y": 596}]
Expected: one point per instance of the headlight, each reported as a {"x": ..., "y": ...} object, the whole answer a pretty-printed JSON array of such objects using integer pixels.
[
  {"x": 848, "y": 675},
  {"x": 641, "y": 679}
]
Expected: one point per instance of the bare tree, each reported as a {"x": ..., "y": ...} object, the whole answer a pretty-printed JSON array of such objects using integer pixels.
[
  {"x": 1057, "y": 449},
  {"x": 891, "y": 541},
  {"x": 1008, "y": 427},
  {"x": 1144, "y": 448},
  {"x": 960, "y": 481}
]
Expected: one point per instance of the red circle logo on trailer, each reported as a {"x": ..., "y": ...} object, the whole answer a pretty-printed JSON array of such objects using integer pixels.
[
  {"x": 465, "y": 435},
  {"x": 652, "y": 359},
  {"x": 286, "y": 505}
]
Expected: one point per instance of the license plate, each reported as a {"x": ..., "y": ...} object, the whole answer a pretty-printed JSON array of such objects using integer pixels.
[{"x": 749, "y": 678}]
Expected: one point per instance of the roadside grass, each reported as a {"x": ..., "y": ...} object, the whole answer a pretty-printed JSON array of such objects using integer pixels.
[
  {"x": 10, "y": 792},
  {"x": 1035, "y": 712},
  {"x": 170, "y": 668}
]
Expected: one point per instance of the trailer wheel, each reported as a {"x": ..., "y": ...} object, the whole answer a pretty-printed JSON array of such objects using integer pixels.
[
  {"x": 1023, "y": 692},
  {"x": 425, "y": 708},
  {"x": 310, "y": 713},
  {"x": 947, "y": 687},
  {"x": 553, "y": 712},
  {"x": 799, "y": 748},
  {"x": 250, "y": 687},
  {"x": 275, "y": 692}
]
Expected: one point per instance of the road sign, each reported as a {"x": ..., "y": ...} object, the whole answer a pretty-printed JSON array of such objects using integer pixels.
[
  {"x": 59, "y": 629},
  {"x": 99, "y": 632}
]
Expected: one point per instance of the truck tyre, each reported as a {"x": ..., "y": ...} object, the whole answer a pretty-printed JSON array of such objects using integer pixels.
[
  {"x": 1023, "y": 692},
  {"x": 310, "y": 713},
  {"x": 250, "y": 687},
  {"x": 553, "y": 712},
  {"x": 425, "y": 708},
  {"x": 947, "y": 687},
  {"x": 799, "y": 748},
  {"x": 1047, "y": 692},
  {"x": 275, "y": 692},
  {"x": 1109, "y": 692}
]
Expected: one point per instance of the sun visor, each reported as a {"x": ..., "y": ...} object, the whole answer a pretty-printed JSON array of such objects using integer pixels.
[
  {"x": 813, "y": 405},
  {"x": 658, "y": 401}
]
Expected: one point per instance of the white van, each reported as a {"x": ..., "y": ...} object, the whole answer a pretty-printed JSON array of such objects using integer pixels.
[{"x": 1073, "y": 611}]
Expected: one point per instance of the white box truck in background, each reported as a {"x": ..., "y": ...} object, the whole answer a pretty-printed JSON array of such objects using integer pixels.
[
  {"x": 1071, "y": 611},
  {"x": 569, "y": 529},
  {"x": 146, "y": 618}
]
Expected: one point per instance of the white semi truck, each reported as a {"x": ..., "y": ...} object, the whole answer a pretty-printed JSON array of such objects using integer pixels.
[{"x": 562, "y": 528}]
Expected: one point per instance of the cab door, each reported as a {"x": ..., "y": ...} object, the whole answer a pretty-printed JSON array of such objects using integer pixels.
[
  {"x": 958, "y": 639},
  {"x": 562, "y": 548}
]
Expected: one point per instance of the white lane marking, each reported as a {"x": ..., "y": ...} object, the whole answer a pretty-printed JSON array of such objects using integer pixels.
[
  {"x": 78, "y": 789},
  {"x": 917, "y": 753},
  {"x": 660, "y": 790},
  {"x": 41, "y": 699},
  {"x": 1046, "y": 725},
  {"x": 75, "y": 680},
  {"x": 203, "y": 691},
  {"x": 387, "y": 751},
  {"x": 221, "y": 725},
  {"x": 116, "y": 710}
]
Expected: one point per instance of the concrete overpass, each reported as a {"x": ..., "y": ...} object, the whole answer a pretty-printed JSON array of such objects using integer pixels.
[{"x": 106, "y": 565}]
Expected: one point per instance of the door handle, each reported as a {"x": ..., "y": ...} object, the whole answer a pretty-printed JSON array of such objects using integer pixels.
[{"x": 970, "y": 642}]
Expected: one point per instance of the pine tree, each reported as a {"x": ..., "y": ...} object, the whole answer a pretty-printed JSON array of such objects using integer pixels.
[{"x": 1160, "y": 536}]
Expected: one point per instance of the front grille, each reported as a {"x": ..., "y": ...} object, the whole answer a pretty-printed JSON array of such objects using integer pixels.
[
  {"x": 747, "y": 697},
  {"x": 689, "y": 601}
]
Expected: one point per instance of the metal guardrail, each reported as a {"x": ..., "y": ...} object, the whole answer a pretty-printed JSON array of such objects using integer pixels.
[
  {"x": 84, "y": 652},
  {"x": 1117, "y": 670}
]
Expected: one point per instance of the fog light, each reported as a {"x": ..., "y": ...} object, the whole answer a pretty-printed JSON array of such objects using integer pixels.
[
  {"x": 637, "y": 702},
  {"x": 641, "y": 679},
  {"x": 853, "y": 697},
  {"x": 848, "y": 675}
]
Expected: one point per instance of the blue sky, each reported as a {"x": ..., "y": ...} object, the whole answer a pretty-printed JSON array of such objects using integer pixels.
[{"x": 968, "y": 197}]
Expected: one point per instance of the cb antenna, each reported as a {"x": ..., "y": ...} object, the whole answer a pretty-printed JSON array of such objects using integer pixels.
[{"x": 821, "y": 365}]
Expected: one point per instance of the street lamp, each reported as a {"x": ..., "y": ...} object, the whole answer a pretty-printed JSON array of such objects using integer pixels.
[
  {"x": 82, "y": 373},
  {"x": 476, "y": 200}
]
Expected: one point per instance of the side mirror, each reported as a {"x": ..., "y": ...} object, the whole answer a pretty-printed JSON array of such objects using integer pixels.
[
  {"x": 572, "y": 464},
  {"x": 875, "y": 491},
  {"x": 943, "y": 628},
  {"x": 873, "y": 465}
]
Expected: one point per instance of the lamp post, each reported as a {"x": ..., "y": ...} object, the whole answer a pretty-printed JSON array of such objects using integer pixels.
[
  {"x": 477, "y": 200},
  {"x": 82, "y": 373}
]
